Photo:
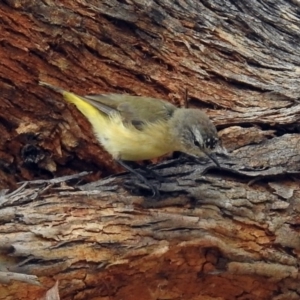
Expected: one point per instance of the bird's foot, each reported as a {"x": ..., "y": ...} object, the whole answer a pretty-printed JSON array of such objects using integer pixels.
[
  {"x": 133, "y": 184},
  {"x": 144, "y": 182}
]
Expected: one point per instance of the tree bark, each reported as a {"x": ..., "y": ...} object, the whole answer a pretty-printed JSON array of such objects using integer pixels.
[{"x": 229, "y": 233}]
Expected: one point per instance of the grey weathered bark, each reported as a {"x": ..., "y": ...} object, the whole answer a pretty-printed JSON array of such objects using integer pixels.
[{"x": 238, "y": 237}]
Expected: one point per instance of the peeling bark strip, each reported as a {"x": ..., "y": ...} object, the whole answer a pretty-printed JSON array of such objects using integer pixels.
[{"x": 238, "y": 238}]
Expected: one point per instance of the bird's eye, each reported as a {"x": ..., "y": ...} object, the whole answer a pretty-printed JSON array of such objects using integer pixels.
[
  {"x": 196, "y": 143},
  {"x": 211, "y": 143}
]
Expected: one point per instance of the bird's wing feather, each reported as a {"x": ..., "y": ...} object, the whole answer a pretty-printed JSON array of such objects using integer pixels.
[
  {"x": 101, "y": 105},
  {"x": 133, "y": 109}
]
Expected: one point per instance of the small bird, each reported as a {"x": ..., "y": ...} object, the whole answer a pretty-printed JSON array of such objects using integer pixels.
[{"x": 133, "y": 128}]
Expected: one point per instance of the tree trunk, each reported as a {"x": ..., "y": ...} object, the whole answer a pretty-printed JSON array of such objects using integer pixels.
[{"x": 229, "y": 233}]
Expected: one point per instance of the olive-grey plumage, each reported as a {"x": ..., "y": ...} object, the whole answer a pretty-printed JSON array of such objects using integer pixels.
[
  {"x": 191, "y": 130},
  {"x": 133, "y": 109},
  {"x": 133, "y": 128},
  {"x": 138, "y": 128}
]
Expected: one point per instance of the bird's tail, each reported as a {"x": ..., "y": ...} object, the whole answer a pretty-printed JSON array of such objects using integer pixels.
[
  {"x": 92, "y": 113},
  {"x": 79, "y": 101},
  {"x": 52, "y": 87}
]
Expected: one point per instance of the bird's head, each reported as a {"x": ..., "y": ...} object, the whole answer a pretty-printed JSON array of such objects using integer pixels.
[{"x": 195, "y": 133}]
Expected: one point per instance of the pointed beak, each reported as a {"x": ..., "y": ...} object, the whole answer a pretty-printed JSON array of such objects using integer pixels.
[{"x": 212, "y": 158}]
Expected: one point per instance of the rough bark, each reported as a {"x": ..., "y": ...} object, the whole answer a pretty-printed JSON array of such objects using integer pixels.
[
  {"x": 222, "y": 228},
  {"x": 215, "y": 234}
]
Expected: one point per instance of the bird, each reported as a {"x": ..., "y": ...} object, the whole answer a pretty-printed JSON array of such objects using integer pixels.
[{"x": 137, "y": 128}]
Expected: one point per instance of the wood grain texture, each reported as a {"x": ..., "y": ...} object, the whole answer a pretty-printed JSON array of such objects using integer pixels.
[{"x": 210, "y": 228}]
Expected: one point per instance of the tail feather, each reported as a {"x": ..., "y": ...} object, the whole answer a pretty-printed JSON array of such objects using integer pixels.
[
  {"x": 90, "y": 111},
  {"x": 55, "y": 88}
]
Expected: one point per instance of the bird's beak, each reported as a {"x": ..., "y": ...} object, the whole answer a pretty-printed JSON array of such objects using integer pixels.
[{"x": 212, "y": 158}]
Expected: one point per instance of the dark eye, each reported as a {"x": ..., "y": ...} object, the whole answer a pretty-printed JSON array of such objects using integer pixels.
[
  {"x": 211, "y": 143},
  {"x": 196, "y": 143}
]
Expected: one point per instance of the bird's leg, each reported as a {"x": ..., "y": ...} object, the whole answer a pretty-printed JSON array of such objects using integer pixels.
[
  {"x": 142, "y": 178},
  {"x": 148, "y": 171},
  {"x": 145, "y": 170}
]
